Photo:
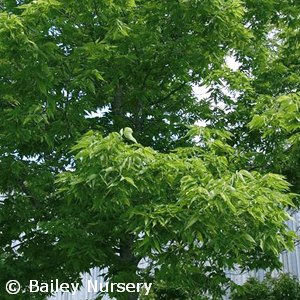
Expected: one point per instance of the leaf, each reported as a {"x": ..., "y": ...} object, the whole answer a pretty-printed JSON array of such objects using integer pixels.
[
  {"x": 129, "y": 180},
  {"x": 192, "y": 221},
  {"x": 257, "y": 121},
  {"x": 131, "y": 3},
  {"x": 249, "y": 238}
]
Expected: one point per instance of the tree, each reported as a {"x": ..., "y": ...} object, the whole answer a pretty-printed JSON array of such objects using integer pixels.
[
  {"x": 281, "y": 287},
  {"x": 135, "y": 63},
  {"x": 263, "y": 106}
]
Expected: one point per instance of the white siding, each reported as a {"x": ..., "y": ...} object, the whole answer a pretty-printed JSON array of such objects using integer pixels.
[
  {"x": 290, "y": 260},
  {"x": 83, "y": 293}
]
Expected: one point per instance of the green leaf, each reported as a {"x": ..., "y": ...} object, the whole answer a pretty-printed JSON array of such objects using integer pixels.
[{"x": 129, "y": 180}]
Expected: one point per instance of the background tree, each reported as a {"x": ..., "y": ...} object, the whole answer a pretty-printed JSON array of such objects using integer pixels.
[
  {"x": 261, "y": 98},
  {"x": 281, "y": 287},
  {"x": 135, "y": 63}
]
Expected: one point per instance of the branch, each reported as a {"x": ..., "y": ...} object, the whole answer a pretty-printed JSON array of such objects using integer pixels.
[{"x": 170, "y": 94}]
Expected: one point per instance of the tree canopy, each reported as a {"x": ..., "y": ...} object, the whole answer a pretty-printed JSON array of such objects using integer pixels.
[
  {"x": 189, "y": 201},
  {"x": 280, "y": 287}
]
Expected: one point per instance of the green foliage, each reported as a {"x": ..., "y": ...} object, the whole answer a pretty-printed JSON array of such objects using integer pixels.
[
  {"x": 181, "y": 209},
  {"x": 190, "y": 201},
  {"x": 260, "y": 100},
  {"x": 277, "y": 288}
]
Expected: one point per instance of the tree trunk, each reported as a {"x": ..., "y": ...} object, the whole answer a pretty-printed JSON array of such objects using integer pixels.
[{"x": 128, "y": 262}]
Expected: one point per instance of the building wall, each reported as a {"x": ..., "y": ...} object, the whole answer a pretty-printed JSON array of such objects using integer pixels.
[
  {"x": 290, "y": 260},
  {"x": 83, "y": 293}
]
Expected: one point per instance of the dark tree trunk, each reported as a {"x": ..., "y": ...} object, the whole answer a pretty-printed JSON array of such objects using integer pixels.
[{"x": 128, "y": 261}]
